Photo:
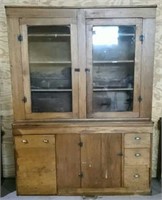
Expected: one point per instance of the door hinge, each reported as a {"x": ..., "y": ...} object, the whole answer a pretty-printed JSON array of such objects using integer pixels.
[
  {"x": 141, "y": 38},
  {"x": 139, "y": 99},
  {"x": 24, "y": 99},
  {"x": 20, "y": 38},
  {"x": 80, "y": 144},
  {"x": 80, "y": 174},
  {"x": 87, "y": 70}
]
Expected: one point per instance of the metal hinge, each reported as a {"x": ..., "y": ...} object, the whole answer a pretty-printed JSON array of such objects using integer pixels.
[
  {"x": 141, "y": 38},
  {"x": 139, "y": 99},
  {"x": 24, "y": 99},
  {"x": 87, "y": 70},
  {"x": 80, "y": 144},
  {"x": 20, "y": 37},
  {"x": 80, "y": 174}
]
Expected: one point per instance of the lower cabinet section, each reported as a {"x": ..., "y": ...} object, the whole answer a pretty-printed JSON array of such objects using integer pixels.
[{"x": 81, "y": 163}]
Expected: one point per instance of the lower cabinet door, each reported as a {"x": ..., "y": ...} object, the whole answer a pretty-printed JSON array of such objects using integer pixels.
[
  {"x": 101, "y": 160},
  {"x": 68, "y": 161},
  {"x": 35, "y": 163}
]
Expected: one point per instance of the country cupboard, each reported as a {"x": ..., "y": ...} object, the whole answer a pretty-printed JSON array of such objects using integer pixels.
[{"x": 82, "y": 96}]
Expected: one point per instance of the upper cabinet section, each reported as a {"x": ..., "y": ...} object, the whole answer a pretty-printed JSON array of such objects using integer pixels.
[{"x": 81, "y": 63}]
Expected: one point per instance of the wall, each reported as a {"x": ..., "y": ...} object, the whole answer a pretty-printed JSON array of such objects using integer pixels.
[{"x": 6, "y": 109}]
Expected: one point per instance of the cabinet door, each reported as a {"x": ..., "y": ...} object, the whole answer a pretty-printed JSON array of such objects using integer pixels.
[
  {"x": 113, "y": 74},
  {"x": 49, "y": 55},
  {"x": 101, "y": 160},
  {"x": 35, "y": 164},
  {"x": 68, "y": 161}
]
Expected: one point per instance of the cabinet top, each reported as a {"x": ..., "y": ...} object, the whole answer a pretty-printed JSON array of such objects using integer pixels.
[
  {"x": 88, "y": 7},
  {"x": 90, "y": 12}
]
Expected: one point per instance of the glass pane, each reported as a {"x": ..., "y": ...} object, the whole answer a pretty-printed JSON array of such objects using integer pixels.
[
  {"x": 111, "y": 43},
  {"x": 115, "y": 101},
  {"x": 50, "y": 68},
  {"x": 51, "y": 101},
  {"x": 113, "y": 68}
]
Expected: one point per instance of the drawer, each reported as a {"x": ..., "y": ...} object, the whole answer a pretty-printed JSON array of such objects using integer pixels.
[
  {"x": 30, "y": 141},
  {"x": 137, "y": 156},
  {"x": 136, "y": 178},
  {"x": 140, "y": 140}
]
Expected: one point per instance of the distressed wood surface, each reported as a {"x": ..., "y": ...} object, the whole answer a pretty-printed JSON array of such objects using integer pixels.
[{"x": 5, "y": 90}]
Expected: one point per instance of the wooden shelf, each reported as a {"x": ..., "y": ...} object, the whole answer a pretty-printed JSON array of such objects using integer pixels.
[
  {"x": 48, "y": 35},
  {"x": 50, "y": 62},
  {"x": 112, "y": 61},
  {"x": 51, "y": 90},
  {"x": 126, "y": 34},
  {"x": 112, "y": 89}
]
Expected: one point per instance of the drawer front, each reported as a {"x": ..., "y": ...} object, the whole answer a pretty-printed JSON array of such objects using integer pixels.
[
  {"x": 30, "y": 141},
  {"x": 140, "y": 140},
  {"x": 137, "y": 156},
  {"x": 136, "y": 178}
]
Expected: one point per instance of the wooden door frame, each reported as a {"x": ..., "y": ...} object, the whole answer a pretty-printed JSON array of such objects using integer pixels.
[
  {"x": 24, "y": 22},
  {"x": 137, "y": 67}
]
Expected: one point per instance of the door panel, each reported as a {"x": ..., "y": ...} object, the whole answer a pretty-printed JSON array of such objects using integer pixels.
[
  {"x": 68, "y": 161},
  {"x": 91, "y": 161},
  {"x": 35, "y": 163},
  {"x": 101, "y": 160},
  {"x": 49, "y": 55},
  {"x": 113, "y": 77},
  {"x": 111, "y": 160}
]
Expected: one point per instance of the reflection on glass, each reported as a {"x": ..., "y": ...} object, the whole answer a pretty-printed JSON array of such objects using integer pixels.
[
  {"x": 107, "y": 35},
  {"x": 113, "y": 68},
  {"x": 50, "y": 68}
]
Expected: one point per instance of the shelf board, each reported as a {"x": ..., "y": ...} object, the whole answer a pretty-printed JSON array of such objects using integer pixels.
[
  {"x": 126, "y": 34},
  {"x": 51, "y": 90},
  {"x": 48, "y": 35},
  {"x": 112, "y": 89},
  {"x": 49, "y": 62},
  {"x": 112, "y": 61}
]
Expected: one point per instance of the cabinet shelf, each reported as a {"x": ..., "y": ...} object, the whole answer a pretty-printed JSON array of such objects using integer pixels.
[
  {"x": 112, "y": 89},
  {"x": 48, "y": 35},
  {"x": 49, "y": 62},
  {"x": 112, "y": 61},
  {"x": 126, "y": 34},
  {"x": 51, "y": 90}
]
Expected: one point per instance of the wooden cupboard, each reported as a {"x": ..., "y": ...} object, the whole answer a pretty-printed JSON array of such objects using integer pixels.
[{"x": 82, "y": 94}]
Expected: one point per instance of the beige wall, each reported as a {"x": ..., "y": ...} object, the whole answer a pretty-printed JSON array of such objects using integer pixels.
[{"x": 5, "y": 78}]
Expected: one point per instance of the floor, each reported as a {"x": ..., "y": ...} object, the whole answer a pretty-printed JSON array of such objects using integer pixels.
[{"x": 8, "y": 193}]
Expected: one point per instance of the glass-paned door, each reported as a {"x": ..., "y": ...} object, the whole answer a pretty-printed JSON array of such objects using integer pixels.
[
  {"x": 113, "y": 74},
  {"x": 49, "y": 61}
]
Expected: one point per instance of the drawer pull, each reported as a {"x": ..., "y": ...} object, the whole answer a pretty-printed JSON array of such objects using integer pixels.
[
  {"x": 137, "y": 138},
  {"x": 24, "y": 141},
  {"x": 46, "y": 141},
  {"x": 137, "y": 154},
  {"x": 136, "y": 176}
]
